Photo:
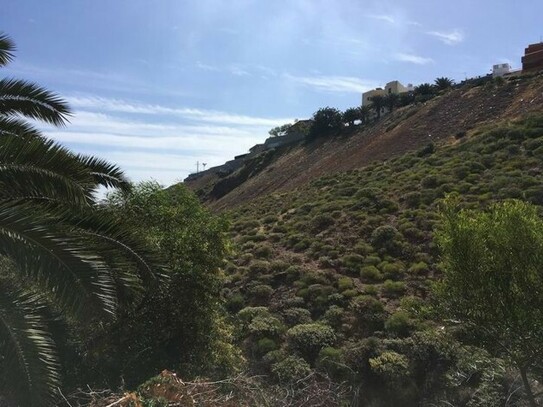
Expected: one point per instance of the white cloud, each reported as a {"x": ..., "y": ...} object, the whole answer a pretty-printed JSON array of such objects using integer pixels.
[
  {"x": 155, "y": 141},
  {"x": 450, "y": 38},
  {"x": 382, "y": 17},
  {"x": 414, "y": 59},
  {"x": 345, "y": 84},
  {"x": 209, "y": 116}
]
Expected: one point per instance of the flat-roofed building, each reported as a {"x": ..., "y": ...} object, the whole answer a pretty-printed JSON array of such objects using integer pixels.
[{"x": 533, "y": 57}]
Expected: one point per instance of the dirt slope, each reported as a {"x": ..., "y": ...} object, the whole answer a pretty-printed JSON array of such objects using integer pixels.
[{"x": 406, "y": 129}]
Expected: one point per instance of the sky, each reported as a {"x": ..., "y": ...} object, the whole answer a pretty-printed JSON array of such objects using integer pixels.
[{"x": 156, "y": 86}]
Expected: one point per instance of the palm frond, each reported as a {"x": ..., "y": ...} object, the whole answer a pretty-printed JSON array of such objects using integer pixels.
[
  {"x": 105, "y": 173},
  {"x": 13, "y": 126},
  {"x": 29, "y": 366},
  {"x": 7, "y": 47},
  {"x": 56, "y": 259},
  {"x": 45, "y": 155},
  {"x": 19, "y": 97},
  {"x": 24, "y": 182}
]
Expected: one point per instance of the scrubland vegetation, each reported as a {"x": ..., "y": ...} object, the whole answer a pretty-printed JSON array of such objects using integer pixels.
[{"x": 414, "y": 281}]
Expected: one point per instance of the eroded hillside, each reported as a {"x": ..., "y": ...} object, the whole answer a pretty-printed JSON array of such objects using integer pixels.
[{"x": 407, "y": 129}]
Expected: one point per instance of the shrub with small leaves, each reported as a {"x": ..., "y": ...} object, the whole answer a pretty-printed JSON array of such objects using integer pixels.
[
  {"x": 390, "y": 366},
  {"x": 309, "y": 339},
  {"x": 291, "y": 369},
  {"x": 370, "y": 273},
  {"x": 296, "y": 316}
]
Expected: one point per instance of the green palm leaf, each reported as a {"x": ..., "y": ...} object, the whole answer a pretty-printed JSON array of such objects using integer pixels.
[
  {"x": 30, "y": 366},
  {"x": 18, "y": 97},
  {"x": 7, "y": 47},
  {"x": 12, "y": 126},
  {"x": 58, "y": 241},
  {"x": 104, "y": 173}
]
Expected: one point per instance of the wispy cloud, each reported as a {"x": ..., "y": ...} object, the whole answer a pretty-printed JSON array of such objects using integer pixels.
[
  {"x": 209, "y": 116},
  {"x": 382, "y": 17},
  {"x": 233, "y": 69},
  {"x": 412, "y": 58},
  {"x": 157, "y": 141},
  {"x": 345, "y": 84},
  {"x": 450, "y": 38}
]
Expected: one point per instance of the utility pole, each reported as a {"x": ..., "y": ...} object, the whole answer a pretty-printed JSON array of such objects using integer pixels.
[{"x": 197, "y": 167}]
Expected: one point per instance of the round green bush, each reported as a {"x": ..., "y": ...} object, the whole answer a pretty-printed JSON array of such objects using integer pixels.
[
  {"x": 390, "y": 365},
  {"x": 296, "y": 316},
  {"x": 393, "y": 289},
  {"x": 309, "y": 339},
  {"x": 370, "y": 273},
  {"x": 399, "y": 324},
  {"x": 262, "y": 326},
  {"x": 291, "y": 369},
  {"x": 265, "y": 345},
  {"x": 261, "y": 293}
]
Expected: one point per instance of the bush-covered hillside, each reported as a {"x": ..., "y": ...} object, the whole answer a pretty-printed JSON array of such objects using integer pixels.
[{"x": 336, "y": 277}]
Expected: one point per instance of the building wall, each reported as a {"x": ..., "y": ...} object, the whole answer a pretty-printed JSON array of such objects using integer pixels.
[
  {"x": 533, "y": 57},
  {"x": 366, "y": 96},
  {"x": 391, "y": 87},
  {"x": 395, "y": 87},
  {"x": 500, "y": 70}
]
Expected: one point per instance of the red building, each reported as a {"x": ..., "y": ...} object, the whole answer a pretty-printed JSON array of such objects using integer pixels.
[{"x": 533, "y": 57}]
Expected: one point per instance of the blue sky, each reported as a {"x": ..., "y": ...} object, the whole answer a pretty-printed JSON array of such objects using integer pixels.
[{"x": 158, "y": 85}]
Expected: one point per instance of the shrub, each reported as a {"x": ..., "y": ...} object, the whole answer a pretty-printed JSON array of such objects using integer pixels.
[
  {"x": 265, "y": 345},
  {"x": 369, "y": 311},
  {"x": 296, "y": 316},
  {"x": 309, "y": 339},
  {"x": 344, "y": 283},
  {"x": 419, "y": 268},
  {"x": 261, "y": 293},
  {"x": 235, "y": 302},
  {"x": 370, "y": 273},
  {"x": 352, "y": 262},
  {"x": 391, "y": 270},
  {"x": 291, "y": 369},
  {"x": 393, "y": 289},
  {"x": 332, "y": 362},
  {"x": 372, "y": 260},
  {"x": 247, "y": 314},
  {"x": 381, "y": 236},
  {"x": 399, "y": 324},
  {"x": 263, "y": 251},
  {"x": 321, "y": 222},
  {"x": 334, "y": 316},
  {"x": 390, "y": 366},
  {"x": 262, "y": 326},
  {"x": 259, "y": 267}
]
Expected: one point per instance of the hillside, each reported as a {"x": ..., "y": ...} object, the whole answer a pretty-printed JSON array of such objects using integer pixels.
[
  {"x": 335, "y": 274},
  {"x": 407, "y": 129}
]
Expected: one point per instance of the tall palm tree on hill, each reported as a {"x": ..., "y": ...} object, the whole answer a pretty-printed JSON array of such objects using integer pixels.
[
  {"x": 58, "y": 251},
  {"x": 378, "y": 102}
]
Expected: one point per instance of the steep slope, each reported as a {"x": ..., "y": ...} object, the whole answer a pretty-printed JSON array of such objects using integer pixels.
[
  {"x": 334, "y": 276},
  {"x": 406, "y": 129}
]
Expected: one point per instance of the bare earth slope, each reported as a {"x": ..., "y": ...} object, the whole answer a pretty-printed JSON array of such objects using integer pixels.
[{"x": 404, "y": 130}]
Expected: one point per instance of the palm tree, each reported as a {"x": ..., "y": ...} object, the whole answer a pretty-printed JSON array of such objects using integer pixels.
[
  {"x": 365, "y": 112},
  {"x": 58, "y": 250},
  {"x": 443, "y": 83},
  {"x": 351, "y": 115},
  {"x": 391, "y": 101},
  {"x": 424, "y": 89},
  {"x": 378, "y": 102}
]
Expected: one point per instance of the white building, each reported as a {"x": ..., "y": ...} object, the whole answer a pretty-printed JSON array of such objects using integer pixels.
[{"x": 500, "y": 70}]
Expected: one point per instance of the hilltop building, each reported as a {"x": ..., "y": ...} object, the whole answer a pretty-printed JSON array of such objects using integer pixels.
[
  {"x": 500, "y": 70},
  {"x": 533, "y": 57},
  {"x": 391, "y": 87}
]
